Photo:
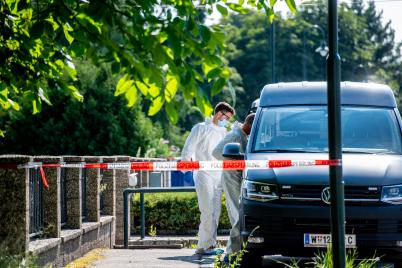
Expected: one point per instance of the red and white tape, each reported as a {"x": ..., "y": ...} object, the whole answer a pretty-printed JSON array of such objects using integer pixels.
[
  {"x": 178, "y": 166},
  {"x": 192, "y": 165}
]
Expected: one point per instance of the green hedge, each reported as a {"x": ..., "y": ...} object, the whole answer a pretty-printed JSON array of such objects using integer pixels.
[{"x": 172, "y": 213}]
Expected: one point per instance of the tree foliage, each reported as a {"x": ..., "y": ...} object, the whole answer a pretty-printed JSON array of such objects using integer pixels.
[
  {"x": 156, "y": 47},
  {"x": 101, "y": 125},
  {"x": 366, "y": 45}
]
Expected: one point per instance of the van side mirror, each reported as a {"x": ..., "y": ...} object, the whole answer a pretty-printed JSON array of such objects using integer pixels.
[{"x": 232, "y": 150}]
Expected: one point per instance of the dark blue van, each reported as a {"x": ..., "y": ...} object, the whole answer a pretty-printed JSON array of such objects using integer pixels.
[{"x": 290, "y": 205}]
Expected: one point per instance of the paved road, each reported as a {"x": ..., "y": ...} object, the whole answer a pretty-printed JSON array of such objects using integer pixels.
[
  {"x": 165, "y": 258},
  {"x": 150, "y": 258}
]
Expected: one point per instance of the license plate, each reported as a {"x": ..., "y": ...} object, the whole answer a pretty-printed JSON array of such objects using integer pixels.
[{"x": 323, "y": 240}]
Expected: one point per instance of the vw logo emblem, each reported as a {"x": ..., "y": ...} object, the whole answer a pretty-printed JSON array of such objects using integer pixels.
[{"x": 326, "y": 195}]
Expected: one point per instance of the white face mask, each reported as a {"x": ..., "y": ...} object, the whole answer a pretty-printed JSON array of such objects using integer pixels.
[{"x": 222, "y": 123}]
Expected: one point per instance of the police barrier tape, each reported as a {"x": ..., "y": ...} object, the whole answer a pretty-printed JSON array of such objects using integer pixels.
[
  {"x": 179, "y": 166},
  {"x": 186, "y": 165}
]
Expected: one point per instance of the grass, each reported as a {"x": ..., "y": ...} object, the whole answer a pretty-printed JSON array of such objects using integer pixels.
[
  {"x": 152, "y": 231},
  {"x": 87, "y": 259},
  {"x": 20, "y": 261},
  {"x": 323, "y": 259},
  {"x": 236, "y": 258}
]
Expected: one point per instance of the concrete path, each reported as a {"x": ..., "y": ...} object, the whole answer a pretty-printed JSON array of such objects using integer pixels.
[
  {"x": 153, "y": 258},
  {"x": 174, "y": 258}
]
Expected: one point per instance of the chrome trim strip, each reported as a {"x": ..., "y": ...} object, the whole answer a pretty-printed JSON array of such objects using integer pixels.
[
  {"x": 261, "y": 197},
  {"x": 301, "y": 198},
  {"x": 362, "y": 200},
  {"x": 319, "y": 199},
  {"x": 260, "y": 183}
]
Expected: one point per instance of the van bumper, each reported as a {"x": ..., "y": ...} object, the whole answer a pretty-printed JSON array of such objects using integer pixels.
[{"x": 282, "y": 227}]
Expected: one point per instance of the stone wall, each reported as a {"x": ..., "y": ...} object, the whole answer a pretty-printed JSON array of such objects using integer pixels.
[{"x": 57, "y": 244}]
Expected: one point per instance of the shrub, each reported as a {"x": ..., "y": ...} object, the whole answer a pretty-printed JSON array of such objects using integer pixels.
[
  {"x": 11, "y": 261},
  {"x": 173, "y": 213}
]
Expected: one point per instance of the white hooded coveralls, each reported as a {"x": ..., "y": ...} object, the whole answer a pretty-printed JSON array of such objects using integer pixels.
[{"x": 198, "y": 147}]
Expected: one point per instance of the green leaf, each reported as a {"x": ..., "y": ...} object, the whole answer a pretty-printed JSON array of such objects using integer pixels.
[
  {"x": 13, "y": 5},
  {"x": 77, "y": 49},
  {"x": 161, "y": 37},
  {"x": 203, "y": 103},
  {"x": 66, "y": 30},
  {"x": 156, "y": 105},
  {"x": 171, "y": 112},
  {"x": 171, "y": 88},
  {"x": 206, "y": 68},
  {"x": 3, "y": 91},
  {"x": 238, "y": 8},
  {"x": 36, "y": 106},
  {"x": 93, "y": 26},
  {"x": 54, "y": 24},
  {"x": 225, "y": 73},
  {"x": 142, "y": 87},
  {"x": 175, "y": 44},
  {"x": 72, "y": 72},
  {"x": 74, "y": 91},
  {"x": 205, "y": 33},
  {"x": 123, "y": 85},
  {"x": 217, "y": 86},
  {"x": 214, "y": 73},
  {"x": 2, "y": 133},
  {"x": 222, "y": 10},
  {"x": 292, "y": 5},
  {"x": 219, "y": 36},
  {"x": 272, "y": 3},
  {"x": 13, "y": 104},
  {"x": 190, "y": 24},
  {"x": 153, "y": 90},
  {"x": 131, "y": 96},
  {"x": 121, "y": 81}
]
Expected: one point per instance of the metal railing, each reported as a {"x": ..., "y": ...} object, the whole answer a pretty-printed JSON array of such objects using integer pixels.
[
  {"x": 35, "y": 203},
  {"x": 84, "y": 211},
  {"x": 63, "y": 197},
  {"x": 102, "y": 194},
  {"x": 142, "y": 192}
]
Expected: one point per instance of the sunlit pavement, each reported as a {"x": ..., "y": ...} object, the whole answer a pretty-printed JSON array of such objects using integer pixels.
[{"x": 116, "y": 258}]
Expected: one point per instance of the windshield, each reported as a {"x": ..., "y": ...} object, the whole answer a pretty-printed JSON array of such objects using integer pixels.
[{"x": 301, "y": 128}]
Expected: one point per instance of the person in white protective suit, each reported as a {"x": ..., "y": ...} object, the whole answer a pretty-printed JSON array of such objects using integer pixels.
[
  {"x": 231, "y": 182},
  {"x": 198, "y": 147}
]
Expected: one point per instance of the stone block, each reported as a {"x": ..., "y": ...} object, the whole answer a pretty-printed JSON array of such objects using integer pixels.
[
  {"x": 48, "y": 257},
  {"x": 108, "y": 186},
  {"x": 73, "y": 182},
  {"x": 93, "y": 190},
  {"x": 14, "y": 204},
  {"x": 121, "y": 184}
]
